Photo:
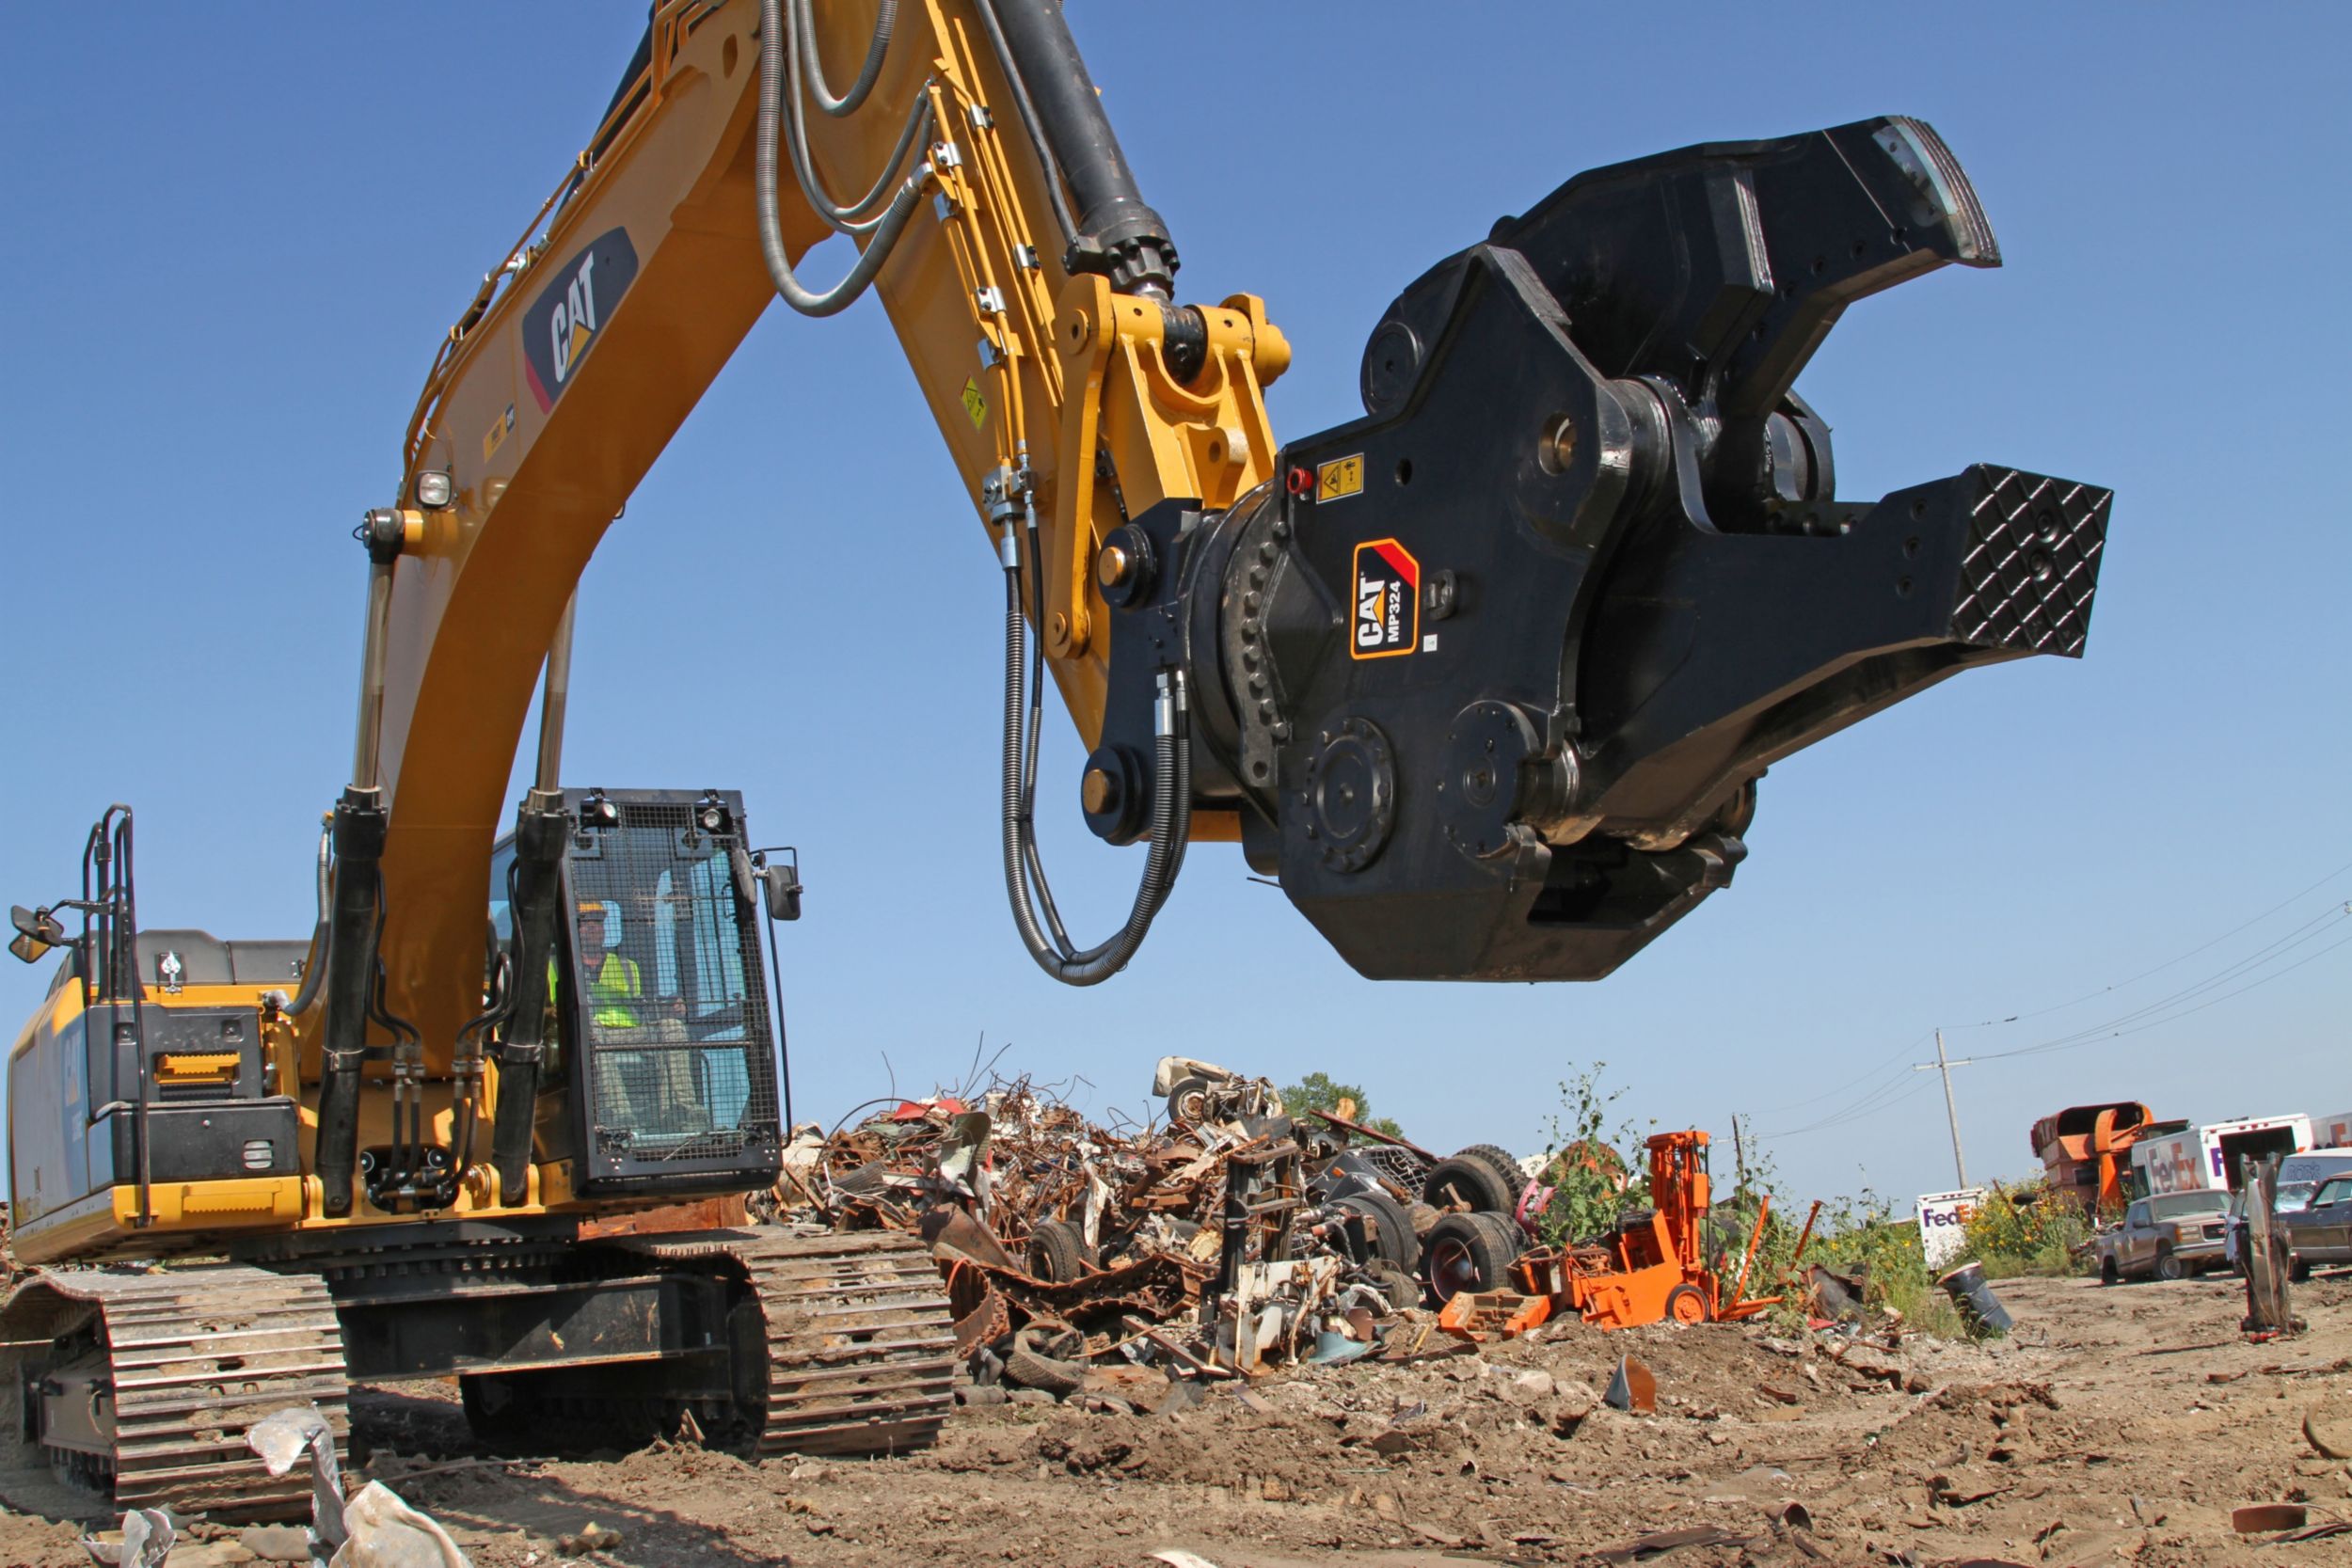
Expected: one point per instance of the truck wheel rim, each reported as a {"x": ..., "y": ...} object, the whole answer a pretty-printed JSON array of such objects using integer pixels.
[{"x": 1452, "y": 1270}]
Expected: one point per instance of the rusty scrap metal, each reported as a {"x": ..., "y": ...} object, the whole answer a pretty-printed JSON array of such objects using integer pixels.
[{"x": 1220, "y": 1239}]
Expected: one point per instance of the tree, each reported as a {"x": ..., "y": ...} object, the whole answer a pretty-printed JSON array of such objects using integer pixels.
[{"x": 1317, "y": 1092}]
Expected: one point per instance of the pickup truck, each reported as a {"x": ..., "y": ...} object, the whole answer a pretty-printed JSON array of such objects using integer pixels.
[{"x": 2170, "y": 1236}]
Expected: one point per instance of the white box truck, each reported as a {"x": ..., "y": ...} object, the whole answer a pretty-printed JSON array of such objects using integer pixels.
[
  {"x": 2206, "y": 1157},
  {"x": 2333, "y": 1132}
]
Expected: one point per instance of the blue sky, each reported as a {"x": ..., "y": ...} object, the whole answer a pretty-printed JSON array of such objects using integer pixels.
[{"x": 235, "y": 234}]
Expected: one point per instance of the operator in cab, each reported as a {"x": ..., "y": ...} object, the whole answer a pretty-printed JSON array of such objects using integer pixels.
[
  {"x": 613, "y": 986},
  {"x": 647, "y": 1080}
]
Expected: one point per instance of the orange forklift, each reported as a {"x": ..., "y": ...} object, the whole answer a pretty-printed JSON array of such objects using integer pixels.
[{"x": 1651, "y": 1266}]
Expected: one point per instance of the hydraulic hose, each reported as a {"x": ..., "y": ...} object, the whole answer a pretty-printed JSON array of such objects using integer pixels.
[
  {"x": 885, "y": 20},
  {"x": 1171, "y": 820},
  {"x": 466, "y": 1072},
  {"x": 1040, "y": 889},
  {"x": 801, "y": 46},
  {"x": 1031, "y": 861},
  {"x": 887, "y": 230},
  {"x": 314, "y": 972}
]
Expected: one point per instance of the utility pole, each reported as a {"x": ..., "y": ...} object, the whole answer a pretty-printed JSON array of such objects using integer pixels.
[
  {"x": 1738, "y": 1151},
  {"x": 1943, "y": 1066}
]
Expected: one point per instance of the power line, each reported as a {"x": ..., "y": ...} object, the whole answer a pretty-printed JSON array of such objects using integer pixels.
[
  {"x": 1904, "y": 1090},
  {"x": 2070, "y": 1042},
  {"x": 1885, "y": 1082},
  {"x": 1901, "y": 1051},
  {"x": 2200, "y": 947},
  {"x": 1885, "y": 1097},
  {"x": 2270, "y": 951},
  {"x": 1899, "y": 1088}
]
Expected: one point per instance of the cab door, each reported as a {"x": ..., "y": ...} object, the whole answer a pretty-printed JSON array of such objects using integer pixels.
[{"x": 2132, "y": 1249}]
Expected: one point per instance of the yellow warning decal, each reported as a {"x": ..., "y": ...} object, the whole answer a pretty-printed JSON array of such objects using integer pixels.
[
  {"x": 975, "y": 405},
  {"x": 496, "y": 436},
  {"x": 1341, "y": 477}
]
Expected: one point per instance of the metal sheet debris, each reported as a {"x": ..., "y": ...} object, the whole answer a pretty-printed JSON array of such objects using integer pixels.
[{"x": 374, "y": 1529}]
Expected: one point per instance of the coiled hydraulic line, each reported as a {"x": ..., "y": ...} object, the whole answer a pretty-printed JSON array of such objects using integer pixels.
[
  {"x": 783, "y": 43},
  {"x": 1025, "y": 884}
]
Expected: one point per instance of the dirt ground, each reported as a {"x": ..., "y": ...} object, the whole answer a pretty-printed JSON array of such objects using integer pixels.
[{"x": 2118, "y": 1424}]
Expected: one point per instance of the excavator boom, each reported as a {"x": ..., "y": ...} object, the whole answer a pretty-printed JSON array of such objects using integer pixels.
[{"x": 1486, "y": 678}]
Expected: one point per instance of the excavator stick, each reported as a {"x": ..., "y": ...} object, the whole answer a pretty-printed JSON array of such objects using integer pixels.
[{"x": 1494, "y": 671}]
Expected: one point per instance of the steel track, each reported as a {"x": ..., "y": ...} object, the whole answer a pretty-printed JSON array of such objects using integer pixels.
[
  {"x": 195, "y": 1356},
  {"x": 860, "y": 1343}
]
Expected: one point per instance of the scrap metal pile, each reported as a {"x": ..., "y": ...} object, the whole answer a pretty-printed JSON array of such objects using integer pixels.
[
  {"x": 1228, "y": 1237},
  {"x": 1234, "y": 1236}
]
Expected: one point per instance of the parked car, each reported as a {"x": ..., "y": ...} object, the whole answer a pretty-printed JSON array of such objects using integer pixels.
[
  {"x": 2321, "y": 1230},
  {"x": 2298, "y": 1177},
  {"x": 2170, "y": 1236},
  {"x": 2290, "y": 1196}
]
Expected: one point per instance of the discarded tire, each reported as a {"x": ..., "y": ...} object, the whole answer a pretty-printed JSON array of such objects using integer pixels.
[
  {"x": 1468, "y": 1252},
  {"x": 1470, "y": 1181},
  {"x": 1059, "y": 1252},
  {"x": 1030, "y": 1367},
  {"x": 1505, "y": 1163},
  {"x": 1397, "y": 1244},
  {"x": 1188, "y": 1098}
]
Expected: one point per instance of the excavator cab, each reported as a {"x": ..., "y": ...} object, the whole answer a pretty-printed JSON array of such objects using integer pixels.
[{"x": 663, "y": 1074}]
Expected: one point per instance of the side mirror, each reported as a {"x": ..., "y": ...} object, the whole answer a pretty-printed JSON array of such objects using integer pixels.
[
  {"x": 37, "y": 932},
  {"x": 780, "y": 883}
]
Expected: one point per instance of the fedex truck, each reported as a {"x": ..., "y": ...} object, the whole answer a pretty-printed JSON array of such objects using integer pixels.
[{"x": 2206, "y": 1157}]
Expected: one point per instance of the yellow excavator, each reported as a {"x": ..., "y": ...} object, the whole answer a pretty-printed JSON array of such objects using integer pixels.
[{"x": 1485, "y": 679}]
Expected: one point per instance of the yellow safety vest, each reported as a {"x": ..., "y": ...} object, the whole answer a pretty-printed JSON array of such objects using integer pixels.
[{"x": 616, "y": 985}]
